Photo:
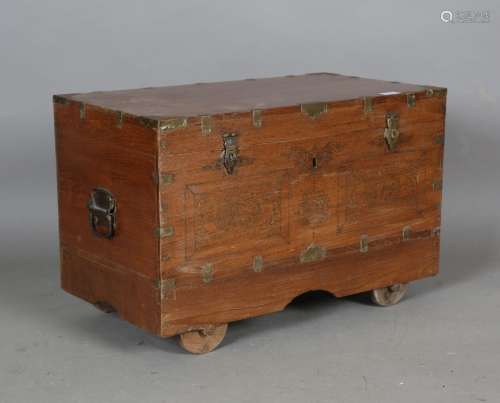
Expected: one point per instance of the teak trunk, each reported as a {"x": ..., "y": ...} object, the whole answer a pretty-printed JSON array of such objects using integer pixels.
[{"x": 185, "y": 208}]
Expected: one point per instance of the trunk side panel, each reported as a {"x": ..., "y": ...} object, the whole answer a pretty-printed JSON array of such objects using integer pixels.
[{"x": 97, "y": 148}]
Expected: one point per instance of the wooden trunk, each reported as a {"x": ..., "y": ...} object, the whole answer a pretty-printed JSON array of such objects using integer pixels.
[{"x": 233, "y": 198}]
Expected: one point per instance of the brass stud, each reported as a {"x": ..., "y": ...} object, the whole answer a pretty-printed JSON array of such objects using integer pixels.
[
  {"x": 411, "y": 100},
  {"x": 406, "y": 233},
  {"x": 82, "y": 111},
  {"x": 165, "y": 232},
  {"x": 257, "y": 118},
  {"x": 437, "y": 185},
  {"x": 206, "y": 125},
  {"x": 166, "y": 286},
  {"x": 363, "y": 244},
  {"x": 119, "y": 119},
  {"x": 258, "y": 264},
  {"x": 367, "y": 105}
]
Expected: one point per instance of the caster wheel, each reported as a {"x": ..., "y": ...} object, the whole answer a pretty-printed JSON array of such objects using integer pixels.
[
  {"x": 203, "y": 341},
  {"x": 389, "y": 295}
]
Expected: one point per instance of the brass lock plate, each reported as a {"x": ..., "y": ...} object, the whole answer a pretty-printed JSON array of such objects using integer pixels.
[
  {"x": 230, "y": 153},
  {"x": 391, "y": 132}
]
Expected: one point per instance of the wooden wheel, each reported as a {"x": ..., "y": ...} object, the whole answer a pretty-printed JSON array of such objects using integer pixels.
[
  {"x": 203, "y": 341},
  {"x": 389, "y": 295}
]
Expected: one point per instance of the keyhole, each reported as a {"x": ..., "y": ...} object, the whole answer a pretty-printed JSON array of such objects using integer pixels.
[{"x": 314, "y": 163}]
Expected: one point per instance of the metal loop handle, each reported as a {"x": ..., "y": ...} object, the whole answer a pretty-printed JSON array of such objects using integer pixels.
[{"x": 102, "y": 213}]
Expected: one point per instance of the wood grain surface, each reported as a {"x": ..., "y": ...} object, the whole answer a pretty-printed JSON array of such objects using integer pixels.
[{"x": 241, "y": 95}]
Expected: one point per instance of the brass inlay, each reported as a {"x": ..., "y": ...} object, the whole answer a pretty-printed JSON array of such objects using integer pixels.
[
  {"x": 367, "y": 105},
  {"x": 363, "y": 244},
  {"x": 165, "y": 232},
  {"x": 257, "y": 118},
  {"x": 406, "y": 233},
  {"x": 207, "y": 272},
  {"x": 172, "y": 124},
  {"x": 82, "y": 111},
  {"x": 119, "y": 119},
  {"x": 167, "y": 178},
  {"x": 258, "y": 264},
  {"x": 411, "y": 100},
  {"x": 437, "y": 92},
  {"x": 206, "y": 125},
  {"x": 312, "y": 253},
  {"x": 314, "y": 109},
  {"x": 437, "y": 185},
  {"x": 166, "y": 287}
]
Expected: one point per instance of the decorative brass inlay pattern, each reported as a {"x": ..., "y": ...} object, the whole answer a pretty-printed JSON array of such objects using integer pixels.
[
  {"x": 370, "y": 192},
  {"x": 315, "y": 208},
  {"x": 254, "y": 211}
]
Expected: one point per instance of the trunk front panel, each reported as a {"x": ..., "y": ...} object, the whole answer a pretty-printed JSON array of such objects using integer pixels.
[{"x": 304, "y": 193}]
